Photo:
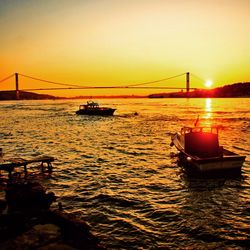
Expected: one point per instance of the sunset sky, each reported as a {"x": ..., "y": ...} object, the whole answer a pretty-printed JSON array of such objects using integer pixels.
[{"x": 115, "y": 42}]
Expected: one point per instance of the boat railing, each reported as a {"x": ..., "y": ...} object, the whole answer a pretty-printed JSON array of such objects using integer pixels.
[
  {"x": 92, "y": 104},
  {"x": 212, "y": 130}
]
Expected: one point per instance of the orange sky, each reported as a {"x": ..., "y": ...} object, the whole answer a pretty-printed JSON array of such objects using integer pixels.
[{"x": 112, "y": 42}]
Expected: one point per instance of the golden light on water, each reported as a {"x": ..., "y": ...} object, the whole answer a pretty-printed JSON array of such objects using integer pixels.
[
  {"x": 208, "y": 118},
  {"x": 208, "y": 106}
]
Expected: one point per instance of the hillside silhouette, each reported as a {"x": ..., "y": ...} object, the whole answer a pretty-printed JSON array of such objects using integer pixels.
[
  {"x": 233, "y": 90},
  {"x": 11, "y": 95}
]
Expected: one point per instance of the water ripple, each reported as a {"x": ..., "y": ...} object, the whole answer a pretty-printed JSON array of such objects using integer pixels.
[{"x": 121, "y": 176}]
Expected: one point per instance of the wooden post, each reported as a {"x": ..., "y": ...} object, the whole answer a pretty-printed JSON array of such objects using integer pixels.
[
  {"x": 25, "y": 170},
  {"x": 49, "y": 167},
  {"x": 187, "y": 82},
  {"x": 17, "y": 87},
  {"x": 42, "y": 166}
]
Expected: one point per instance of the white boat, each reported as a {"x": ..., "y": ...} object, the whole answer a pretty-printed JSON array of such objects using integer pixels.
[{"x": 200, "y": 150}]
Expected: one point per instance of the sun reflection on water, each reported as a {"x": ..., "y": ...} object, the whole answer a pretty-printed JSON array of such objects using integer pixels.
[{"x": 208, "y": 115}]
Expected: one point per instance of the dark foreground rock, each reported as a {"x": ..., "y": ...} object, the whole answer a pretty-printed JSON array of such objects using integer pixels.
[{"x": 28, "y": 223}]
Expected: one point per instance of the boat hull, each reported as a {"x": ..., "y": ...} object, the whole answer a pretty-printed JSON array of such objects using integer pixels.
[
  {"x": 224, "y": 163},
  {"x": 99, "y": 111}
]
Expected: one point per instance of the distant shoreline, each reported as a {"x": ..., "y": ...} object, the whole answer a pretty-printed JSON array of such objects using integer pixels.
[{"x": 237, "y": 90}]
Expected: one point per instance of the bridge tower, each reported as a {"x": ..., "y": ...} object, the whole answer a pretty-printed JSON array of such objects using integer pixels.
[
  {"x": 187, "y": 81},
  {"x": 17, "y": 87}
]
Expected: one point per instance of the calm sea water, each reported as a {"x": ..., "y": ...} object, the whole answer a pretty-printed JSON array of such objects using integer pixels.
[{"x": 119, "y": 174}]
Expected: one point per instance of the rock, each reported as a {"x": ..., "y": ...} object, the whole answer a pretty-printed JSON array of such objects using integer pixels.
[
  {"x": 76, "y": 232},
  {"x": 56, "y": 246},
  {"x": 38, "y": 236},
  {"x": 48, "y": 230},
  {"x": 3, "y": 205},
  {"x": 28, "y": 196},
  {"x": 30, "y": 224},
  {"x": 11, "y": 225}
]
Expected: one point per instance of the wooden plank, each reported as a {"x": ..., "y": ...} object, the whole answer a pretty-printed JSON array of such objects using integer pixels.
[
  {"x": 10, "y": 163},
  {"x": 41, "y": 159},
  {"x": 7, "y": 166},
  {"x": 20, "y": 161}
]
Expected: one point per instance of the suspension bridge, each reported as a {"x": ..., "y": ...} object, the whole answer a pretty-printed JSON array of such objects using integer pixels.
[{"x": 65, "y": 86}]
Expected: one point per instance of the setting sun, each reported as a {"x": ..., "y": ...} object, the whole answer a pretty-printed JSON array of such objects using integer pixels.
[{"x": 208, "y": 83}]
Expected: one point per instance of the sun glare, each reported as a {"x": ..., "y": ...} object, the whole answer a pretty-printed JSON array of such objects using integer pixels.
[{"x": 208, "y": 83}]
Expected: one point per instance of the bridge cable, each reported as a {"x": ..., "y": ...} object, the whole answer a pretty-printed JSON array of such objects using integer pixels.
[
  {"x": 6, "y": 78},
  {"x": 161, "y": 80},
  {"x": 80, "y": 86},
  {"x": 197, "y": 77},
  {"x": 57, "y": 83}
]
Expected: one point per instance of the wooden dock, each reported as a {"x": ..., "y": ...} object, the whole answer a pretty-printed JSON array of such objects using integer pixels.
[{"x": 9, "y": 165}]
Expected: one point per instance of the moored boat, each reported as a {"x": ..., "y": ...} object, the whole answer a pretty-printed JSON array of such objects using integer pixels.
[
  {"x": 93, "y": 108},
  {"x": 200, "y": 150}
]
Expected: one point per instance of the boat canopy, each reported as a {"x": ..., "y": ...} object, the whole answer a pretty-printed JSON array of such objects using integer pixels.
[{"x": 201, "y": 141}]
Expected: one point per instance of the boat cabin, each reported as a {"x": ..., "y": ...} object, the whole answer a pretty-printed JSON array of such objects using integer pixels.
[
  {"x": 202, "y": 142},
  {"x": 89, "y": 105}
]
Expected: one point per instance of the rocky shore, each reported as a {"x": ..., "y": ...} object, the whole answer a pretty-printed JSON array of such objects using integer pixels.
[{"x": 27, "y": 222}]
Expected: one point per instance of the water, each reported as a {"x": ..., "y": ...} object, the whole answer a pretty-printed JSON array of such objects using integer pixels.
[{"x": 118, "y": 175}]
